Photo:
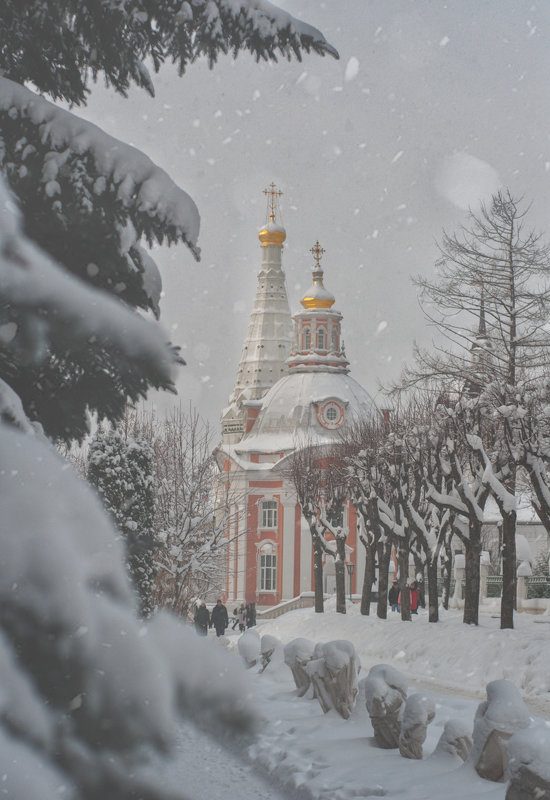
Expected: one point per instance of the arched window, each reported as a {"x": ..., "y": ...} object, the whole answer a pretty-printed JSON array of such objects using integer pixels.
[
  {"x": 307, "y": 338},
  {"x": 321, "y": 338},
  {"x": 268, "y": 569},
  {"x": 334, "y": 340},
  {"x": 269, "y": 514}
]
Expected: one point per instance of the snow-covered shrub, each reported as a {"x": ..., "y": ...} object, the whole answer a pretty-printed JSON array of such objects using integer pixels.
[
  {"x": 496, "y": 720},
  {"x": 87, "y": 689},
  {"x": 455, "y": 740},
  {"x": 333, "y": 671},
  {"x": 419, "y": 711},
  {"x": 272, "y": 651},
  {"x": 529, "y": 764},
  {"x": 121, "y": 469},
  {"x": 249, "y": 647},
  {"x": 297, "y": 654},
  {"x": 385, "y": 692}
]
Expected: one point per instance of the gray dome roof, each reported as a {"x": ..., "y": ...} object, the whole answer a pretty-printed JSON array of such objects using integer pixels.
[{"x": 294, "y": 409}]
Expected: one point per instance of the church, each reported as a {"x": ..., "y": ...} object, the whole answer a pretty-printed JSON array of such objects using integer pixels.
[{"x": 293, "y": 385}]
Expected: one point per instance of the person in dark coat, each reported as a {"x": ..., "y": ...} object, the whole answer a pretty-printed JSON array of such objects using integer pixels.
[
  {"x": 202, "y": 620},
  {"x": 250, "y": 615},
  {"x": 219, "y": 619},
  {"x": 393, "y": 596},
  {"x": 414, "y": 597}
]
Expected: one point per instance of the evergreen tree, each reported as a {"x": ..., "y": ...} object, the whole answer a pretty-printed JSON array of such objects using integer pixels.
[{"x": 121, "y": 469}]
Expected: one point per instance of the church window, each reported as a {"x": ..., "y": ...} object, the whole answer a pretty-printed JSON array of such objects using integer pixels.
[
  {"x": 334, "y": 340},
  {"x": 321, "y": 338},
  {"x": 268, "y": 572},
  {"x": 332, "y": 413},
  {"x": 307, "y": 338},
  {"x": 269, "y": 514}
]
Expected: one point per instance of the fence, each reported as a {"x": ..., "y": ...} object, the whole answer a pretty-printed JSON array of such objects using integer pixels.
[{"x": 537, "y": 586}]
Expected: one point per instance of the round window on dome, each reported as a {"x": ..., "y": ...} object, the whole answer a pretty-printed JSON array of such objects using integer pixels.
[{"x": 330, "y": 414}]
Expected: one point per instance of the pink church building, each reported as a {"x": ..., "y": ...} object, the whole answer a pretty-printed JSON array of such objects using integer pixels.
[{"x": 293, "y": 385}]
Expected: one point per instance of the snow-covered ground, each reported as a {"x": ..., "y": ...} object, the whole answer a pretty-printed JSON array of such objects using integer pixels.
[{"x": 308, "y": 754}]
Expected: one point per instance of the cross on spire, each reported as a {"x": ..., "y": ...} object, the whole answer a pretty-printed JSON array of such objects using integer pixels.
[
  {"x": 272, "y": 194},
  {"x": 317, "y": 251}
]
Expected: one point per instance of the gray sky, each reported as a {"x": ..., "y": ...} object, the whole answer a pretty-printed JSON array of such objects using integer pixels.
[{"x": 432, "y": 106}]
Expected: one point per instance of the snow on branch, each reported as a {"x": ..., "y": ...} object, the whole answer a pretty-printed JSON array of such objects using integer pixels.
[
  {"x": 140, "y": 185},
  {"x": 49, "y": 302},
  {"x": 255, "y": 25}
]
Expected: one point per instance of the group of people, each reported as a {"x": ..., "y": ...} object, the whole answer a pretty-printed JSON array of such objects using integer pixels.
[
  {"x": 205, "y": 619},
  {"x": 218, "y": 618},
  {"x": 394, "y": 597},
  {"x": 244, "y": 616}
]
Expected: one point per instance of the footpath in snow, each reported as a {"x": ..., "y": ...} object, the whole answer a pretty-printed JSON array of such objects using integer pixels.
[{"x": 308, "y": 755}]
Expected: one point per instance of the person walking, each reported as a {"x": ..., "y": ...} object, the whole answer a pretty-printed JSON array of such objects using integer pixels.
[
  {"x": 414, "y": 597},
  {"x": 219, "y": 619},
  {"x": 235, "y": 618},
  {"x": 250, "y": 615},
  {"x": 242, "y": 617},
  {"x": 393, "y": 596},
  {"x": 202, "y": 620}
]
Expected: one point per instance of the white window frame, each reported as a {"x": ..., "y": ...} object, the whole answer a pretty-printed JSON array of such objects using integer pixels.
[
  {"x": 267, "y": 573},
  {"x": 321, "y": 335},
  {"x": 269, "y": 511}
]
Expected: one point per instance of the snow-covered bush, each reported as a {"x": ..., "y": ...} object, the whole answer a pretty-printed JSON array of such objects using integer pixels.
[
  {"x": 529, "y": 764},
  {"x": 249, "y": 647},
  {"x": 272, "y": 651},
  {"x": 297, "y": 654},
  {"x": 496, "y": 720},
  {"x": 121, "y": 469},
  {"x": 419, "y": 711},
  {"x": 385, "y": 692},
  {"x": 456, "y": 740},
  {"x": 86, "y": 689},
  {"x": 333, "y": 671}
]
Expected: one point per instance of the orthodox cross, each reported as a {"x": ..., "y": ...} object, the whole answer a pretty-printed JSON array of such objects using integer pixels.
[
  {"x": 317, "y": 251},
  {"x": 272, "y": 194}
]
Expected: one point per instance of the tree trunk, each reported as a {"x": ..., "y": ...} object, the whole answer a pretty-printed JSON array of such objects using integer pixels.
[
  {"x": 384, "y": 557},
  {"x": 447, "y": 575},
  {"x": 403, "y": 567},
  {"x": 433, "y": 598},
  {"x": 340, "y": 570},
  {"x": 318, "y": 577},
  {"x": 368, "y": 580},
  {"x": 472, "y": 575},
  {"x": 508, "y": 599}
]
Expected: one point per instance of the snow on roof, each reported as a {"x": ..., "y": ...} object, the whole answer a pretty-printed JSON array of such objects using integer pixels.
[{"x": 288, "y": 414}]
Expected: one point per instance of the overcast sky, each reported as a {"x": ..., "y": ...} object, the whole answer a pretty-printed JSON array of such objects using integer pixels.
[{"x": 432, "y": 106}]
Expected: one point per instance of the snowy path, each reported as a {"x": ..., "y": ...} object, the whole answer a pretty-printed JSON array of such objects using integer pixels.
[{"x": 205, "y": 770}]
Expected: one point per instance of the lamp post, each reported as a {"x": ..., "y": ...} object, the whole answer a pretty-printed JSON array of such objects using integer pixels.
[{"x": 350, "y": 567}]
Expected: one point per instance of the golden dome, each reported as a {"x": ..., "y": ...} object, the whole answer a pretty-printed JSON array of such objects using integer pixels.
[
  {"x": 272, "y": 234},
  {"x": 317, "y": 296}
]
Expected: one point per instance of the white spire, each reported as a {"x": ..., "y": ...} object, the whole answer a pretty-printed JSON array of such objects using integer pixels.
[{"x": 269, "y": 337}]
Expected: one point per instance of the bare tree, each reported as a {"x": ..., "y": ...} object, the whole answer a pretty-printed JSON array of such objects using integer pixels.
[
  {"x": 490, "y": 302},
  {"x": 191, "y": 518},
  {"x": 316, "y": 474}
]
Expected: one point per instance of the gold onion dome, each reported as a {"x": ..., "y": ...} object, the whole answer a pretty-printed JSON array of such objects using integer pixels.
[
  {"x": 272, "y": 234},
  {"x": 317, "y": 296}
]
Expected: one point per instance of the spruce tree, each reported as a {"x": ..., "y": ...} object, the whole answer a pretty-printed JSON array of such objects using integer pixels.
[{"x": 121, "y": 469}]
